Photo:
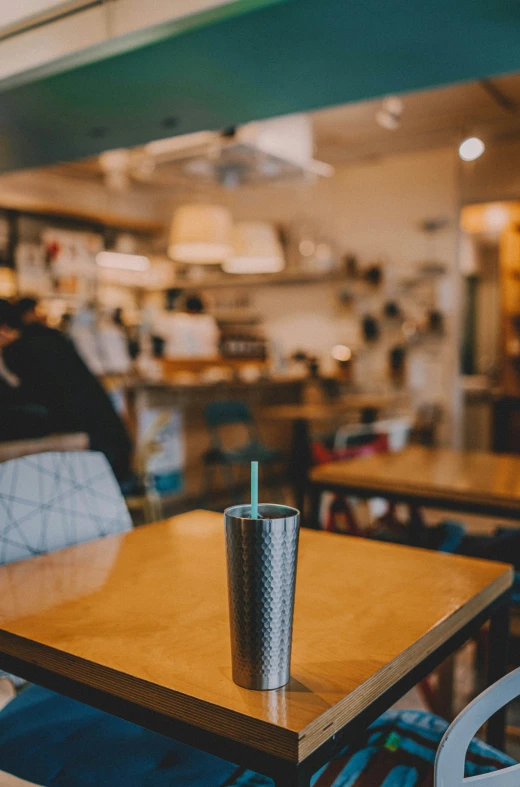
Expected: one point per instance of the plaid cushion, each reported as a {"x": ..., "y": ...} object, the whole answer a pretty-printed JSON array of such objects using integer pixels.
[{"x": 398, "y": 750}]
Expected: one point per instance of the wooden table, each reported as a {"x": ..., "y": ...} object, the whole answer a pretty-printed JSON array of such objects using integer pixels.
[
  {"x": 302, "y": 415},
  {"x": 137, "y": 625},
  {"x": 471, "y": 481}
]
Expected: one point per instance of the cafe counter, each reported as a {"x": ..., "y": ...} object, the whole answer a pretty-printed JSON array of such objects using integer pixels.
[{"x": 182, "y": 437}]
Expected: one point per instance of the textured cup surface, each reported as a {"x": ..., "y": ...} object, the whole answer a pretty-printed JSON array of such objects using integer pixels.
[{"x": 261, "y": 560}]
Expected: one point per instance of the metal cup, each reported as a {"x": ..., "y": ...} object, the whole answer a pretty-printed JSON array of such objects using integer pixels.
[{"x": 261, "y": 562}]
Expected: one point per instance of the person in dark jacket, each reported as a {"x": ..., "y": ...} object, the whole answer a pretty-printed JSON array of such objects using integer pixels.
[
  {"x": 53, "y": 375},
  {"x": 19, "y": 418}
]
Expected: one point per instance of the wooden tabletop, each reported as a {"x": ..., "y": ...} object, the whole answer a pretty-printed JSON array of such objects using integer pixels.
[
  {"x": 143, "y": 616},
  {"x": 329, "y": 410},
  {"x": 465, "y": 479}
]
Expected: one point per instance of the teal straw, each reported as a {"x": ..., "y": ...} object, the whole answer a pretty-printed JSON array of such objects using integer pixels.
[{"x": 254, "y": 490}]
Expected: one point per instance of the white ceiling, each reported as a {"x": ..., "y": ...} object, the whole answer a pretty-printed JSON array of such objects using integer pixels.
[
  {"x": 433, "y": 118},
  {"x": 13, "y": 12}
]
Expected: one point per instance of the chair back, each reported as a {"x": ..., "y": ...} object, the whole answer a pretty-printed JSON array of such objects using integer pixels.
[
  {"x": 449, "y": 764},
  {"x": 227, "y": 413},
  {"x": 230, "y": 423},
  {"x": 57, "y": 499}
]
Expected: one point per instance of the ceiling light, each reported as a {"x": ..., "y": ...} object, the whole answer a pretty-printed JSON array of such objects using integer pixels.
[
  {"x": 340, "y": 352},
  {"x": 200, "y": 234},
  {"x": 496, "y": 217},
  {"x": 256, "y": 249},
  {"x": 123, "y": 262},
  {"x": 471, "y": 149},
  {"x": 389, "y": 116},
  {"x": 114, "y": 164}
]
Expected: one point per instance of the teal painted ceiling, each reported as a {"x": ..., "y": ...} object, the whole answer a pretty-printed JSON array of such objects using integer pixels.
[{"x": 278, "y": 58}]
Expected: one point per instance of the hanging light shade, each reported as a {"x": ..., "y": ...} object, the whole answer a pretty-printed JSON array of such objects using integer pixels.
[
  {"x": 200, "y": 234},
  {"x": 256, "y": 249}
]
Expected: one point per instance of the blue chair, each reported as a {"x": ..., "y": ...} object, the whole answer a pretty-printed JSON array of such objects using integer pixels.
[
  {"x": 233, "y": 413},
  {"x": 54, "y": 741},
  {"x": 51, "y": 740}
]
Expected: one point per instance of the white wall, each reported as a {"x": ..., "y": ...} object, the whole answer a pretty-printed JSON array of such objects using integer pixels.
[{"x": 374, "y": 211}]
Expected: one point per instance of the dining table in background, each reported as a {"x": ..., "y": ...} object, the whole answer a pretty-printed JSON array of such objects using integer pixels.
[
  {"x": 137, "y": 625},
  {"x": 476, "y": 482}
]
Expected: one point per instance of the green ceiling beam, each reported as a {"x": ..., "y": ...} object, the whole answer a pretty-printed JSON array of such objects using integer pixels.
[{"x": 249, "y": 60}]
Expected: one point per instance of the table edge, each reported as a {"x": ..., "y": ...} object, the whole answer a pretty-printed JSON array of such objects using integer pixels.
[
  {"x": 264, "y": 736},
  {"x": 379, "y": 488},
  {"x": 344, "y": 711},
  {"x": 260, "y": 734}
]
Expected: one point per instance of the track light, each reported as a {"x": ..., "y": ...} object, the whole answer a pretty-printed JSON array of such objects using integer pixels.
[{"x": 471, "y": 148}]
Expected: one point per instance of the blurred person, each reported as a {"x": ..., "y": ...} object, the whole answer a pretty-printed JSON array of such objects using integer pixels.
[
  {"x": 83, "y": 333},
  {"x": 113, "y": 343},
  {"x": 191, "y": 332},
  {"x": 53, "y": 375},
  {"x": 20, "y": 419},
  {"x": 28, "y": 312}
]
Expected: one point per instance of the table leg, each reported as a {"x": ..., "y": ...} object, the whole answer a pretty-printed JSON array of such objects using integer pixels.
[
  {"x": 314, "y": 508},
  {"x": 295, "y": 777},
  {"x": 300, "y": 463},
  {"x": 497, "y": 668}
]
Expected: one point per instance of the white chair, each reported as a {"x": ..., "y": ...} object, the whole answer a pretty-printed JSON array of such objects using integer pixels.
[
  {"x": 54, "y": 500},
  {"x": 449, "y": 763},
  {"x": 57, "y": 499}
]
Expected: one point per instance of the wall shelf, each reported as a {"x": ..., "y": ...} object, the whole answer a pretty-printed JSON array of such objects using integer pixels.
[{"x": 231, "y": 282}]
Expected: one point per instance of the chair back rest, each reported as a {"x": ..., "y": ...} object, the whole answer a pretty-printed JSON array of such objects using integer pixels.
[
  {"x": 449, "y": 764},
  {"x": 397, "y": 431},
  {"x": 57, "y": 499},
  {"x": 227, "y": 413}
]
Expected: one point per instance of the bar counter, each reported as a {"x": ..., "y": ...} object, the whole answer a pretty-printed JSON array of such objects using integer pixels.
[{"x": 192, "y": 399}]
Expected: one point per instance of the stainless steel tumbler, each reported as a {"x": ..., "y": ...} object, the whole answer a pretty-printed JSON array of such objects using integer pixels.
[{"x": 261, "y": 561}]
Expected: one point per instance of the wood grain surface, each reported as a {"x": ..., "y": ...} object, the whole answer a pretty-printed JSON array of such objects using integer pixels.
[
  {"x": 143, "y": 616},
  {"x": 442, "y": 474}
]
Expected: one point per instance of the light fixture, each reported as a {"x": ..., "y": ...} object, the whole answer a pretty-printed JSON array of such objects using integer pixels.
[
  {"x": 122, "y": 262},
  {"x": 471, "y": 148},
  {"x": 115, "y": 165},
  {"x": 389, "y": 116},
  {"x": 496, "y": 217},
  {"x": 340, "y": 352},
  {"x": 256, "y": 249},
  {"x": 200, "y": 234}
]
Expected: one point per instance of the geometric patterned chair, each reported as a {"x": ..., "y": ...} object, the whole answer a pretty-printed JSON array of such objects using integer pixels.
[
  {"x": 53, "y": 500},
  {"x": 57, "y": 499}
]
